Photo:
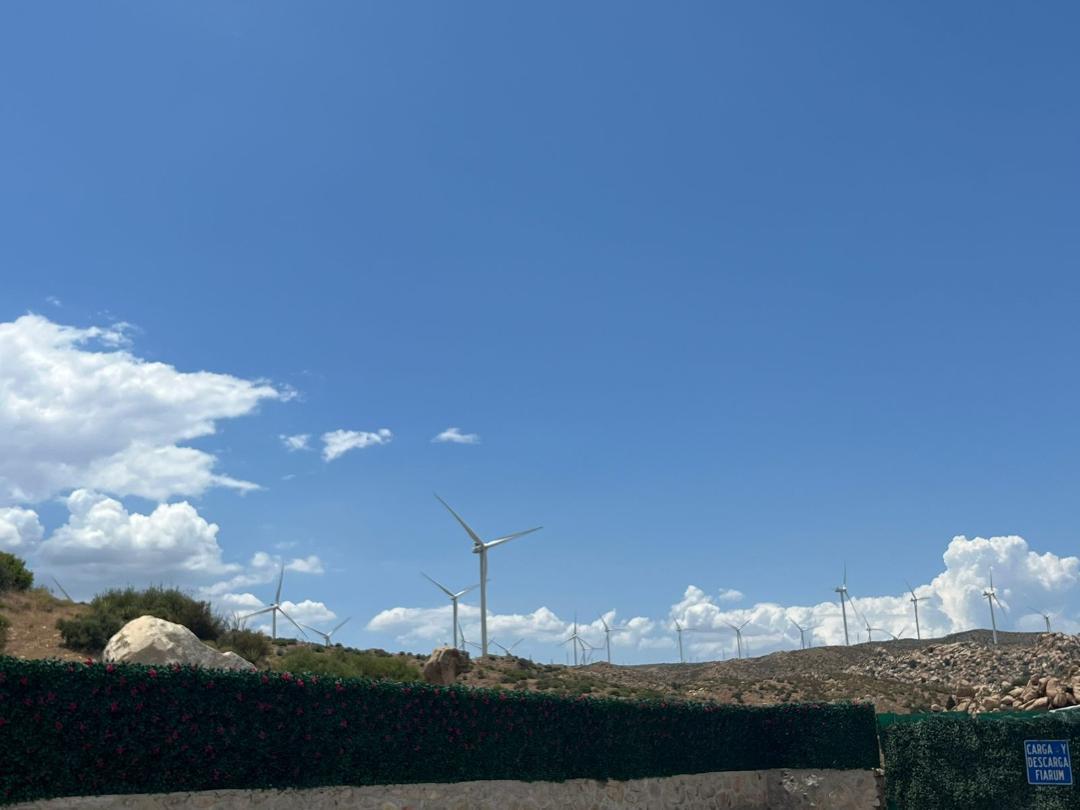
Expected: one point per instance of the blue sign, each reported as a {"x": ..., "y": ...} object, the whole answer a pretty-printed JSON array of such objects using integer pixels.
[{"x": 1048, "y": 762}]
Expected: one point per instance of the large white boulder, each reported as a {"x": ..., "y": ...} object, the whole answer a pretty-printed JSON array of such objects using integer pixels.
[{"x": 149, "y": 640}]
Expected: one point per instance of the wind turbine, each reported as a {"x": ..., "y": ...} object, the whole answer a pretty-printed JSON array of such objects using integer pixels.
[
  {"x": 1046, "y": 617},
  {"x": 464, "y": 641},
  {"x": 679, "y": 629},
  {"x": 608, "y": 630},
  {"x": 991, "y": 597},
  {"x": 738, "y": 634},
  {"x": 915, "y": 604},
  {"x": 507, "y": 650},
  {"x": 275, "y": 608},
  {"x": 326, "y": 636},
  {"x": 575, "y": 641},
  {"x": 802, "y": 634},
  {"x": 842, "y": 590},
  {"x": 482, "y": 548},
  {"x": 453, "y": 599}
]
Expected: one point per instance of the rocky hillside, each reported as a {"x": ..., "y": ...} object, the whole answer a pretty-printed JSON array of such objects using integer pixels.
[{"x": 962, "y": 672}]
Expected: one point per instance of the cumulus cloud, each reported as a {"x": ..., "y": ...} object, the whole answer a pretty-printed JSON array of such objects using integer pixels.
[
  {"x": 79, "y": 410},
  {"x": 454, "y": 435},
  {"x": 338, "y": 442},
  {"x": 20, "y": 530},
  {"x": 1028, "y": 583},
  {"x": 102, "y": 540},
  {"x": 298, "y": 441}
]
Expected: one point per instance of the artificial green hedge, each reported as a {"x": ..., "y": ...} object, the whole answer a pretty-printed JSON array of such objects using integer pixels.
[
  {"x": 87, "y": 729},
  {"x": 947, "y": 762}
]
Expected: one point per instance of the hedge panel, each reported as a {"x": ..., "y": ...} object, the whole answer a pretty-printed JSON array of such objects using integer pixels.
[
  {"x": 88, "y": 729},
  {"x": 945, "y": 762}
]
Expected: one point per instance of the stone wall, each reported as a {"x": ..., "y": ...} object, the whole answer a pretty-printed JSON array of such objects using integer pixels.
[{"x": 734, "y": 790}]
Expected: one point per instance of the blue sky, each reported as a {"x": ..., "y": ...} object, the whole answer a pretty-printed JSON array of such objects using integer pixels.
[{"x": 730, "y": 293}]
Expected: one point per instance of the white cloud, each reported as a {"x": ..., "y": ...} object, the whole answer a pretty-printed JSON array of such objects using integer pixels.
[
  {"x": 298, "y": 441},
  {"x": 338, "y": 442},
  {"x": 454, "y": 435},
  {"x": 104, "y": 545},
  {"x": 79, "y": 410},
  {"x": 1024, "y": 579},
  {"x": 20, "y": 530},
  {"x": 102, "y": 541}
]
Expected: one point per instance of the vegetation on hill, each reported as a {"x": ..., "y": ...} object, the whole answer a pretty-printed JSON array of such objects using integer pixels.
[
  {"x": 339, "y": 662},
  {"x": 14, "y": 575},
  {"x": 250, "y": 645},
  {"x": 111, "y": 610}
]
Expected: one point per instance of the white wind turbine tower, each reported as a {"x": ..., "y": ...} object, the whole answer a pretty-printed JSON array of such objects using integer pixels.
[
  {"x": 453, "y": 599},
  {"x": 738, "y": 634},
  {"x": 275, "y": 608},
  {"x": 326, "y": 636},
  {"x": 802, "y": 633},
  {"x": 577, "y": 641},
  {"x": 991, "y": 597},
  {"x": 608, "y": 630},
  {"x": 482, "y": 548},
  {"x": 679, "y": 629},
  {"x": 1046, "y": 617},
  {"x": 915, "y": 604},
  {"x": 842, "y": 590}
]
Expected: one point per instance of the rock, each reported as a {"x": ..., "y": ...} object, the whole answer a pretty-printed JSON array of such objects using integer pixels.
[
  {"x": 934, "y": 707},
  {"x": 1053, "y": 686},
  {"x": 1061, "y": 700},
  {"x": 1038, "y": 704},
  {"x": 444, "y": 665},
  {"x": 950, "y": 703},
  {"x": 990, "y": 704},
  {"x": 150, "y": 640},
  {"x": 1007, "y": 701},
  {"x": 965, "y": 691}
]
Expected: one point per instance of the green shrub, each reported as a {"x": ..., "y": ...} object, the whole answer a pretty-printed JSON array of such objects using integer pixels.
[
  {"x": 249, "y": 644},
  {"x": 111, "y": 610},
  {"x": 949, "y": 762},
  {"x": 76, "y": 729},
  {"x": 14, "y": 576},
  {"x": 338, "y": 662},
  {"x": 4, "y": 624}
]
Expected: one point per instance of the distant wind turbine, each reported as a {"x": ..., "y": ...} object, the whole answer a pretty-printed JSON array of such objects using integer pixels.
[
  {"x": 481, "y": 548},
  {"x": 738, "y": 634},
  {"x": 275, "y": 608},
  {"x": 326, "y": 636},
  {"x": 915, "y": 604},
  {"x": 453, "y": 600},
  {"x": 991, "y": 597},
  {"x": 576, "y": 642},
  {"x": 608, "y": 630},
  {"x": 842, "y": 590},
  {"x": 802, "y": 633},
  {"x": 679, "y": 629},
  {"x": 508, "y": 651},
  {"x": 1046, "y": 617}
]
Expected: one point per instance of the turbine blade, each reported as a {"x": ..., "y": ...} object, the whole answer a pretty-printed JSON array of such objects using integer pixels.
[
  {"x": 339, "y": 626},
  {"x": 438, "y": 585},
  {"x": 281, "y": 578},
  {"x": 468, "y": 529},
  {"x": 500, "y": 540},
  {"x": 61, "y": 587},
  {"x": 460, "y": 594},
  {"x": 290, "y": 618},
  {"x": 256, "y": 613}
]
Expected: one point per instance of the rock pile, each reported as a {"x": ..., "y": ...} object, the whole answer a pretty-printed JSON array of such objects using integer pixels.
[{"x": 983, "y": 678}]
